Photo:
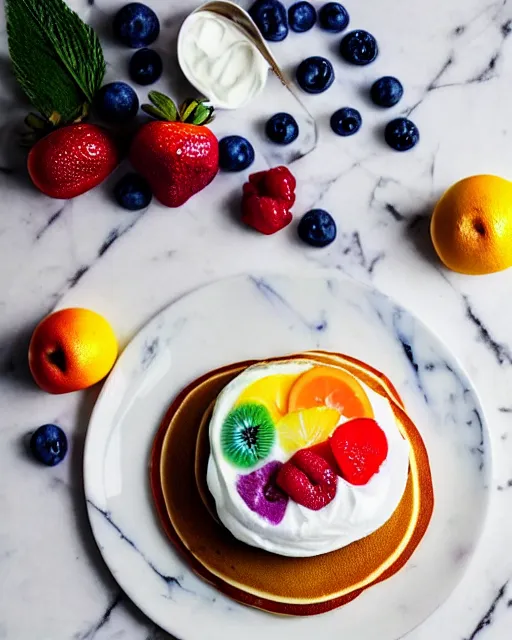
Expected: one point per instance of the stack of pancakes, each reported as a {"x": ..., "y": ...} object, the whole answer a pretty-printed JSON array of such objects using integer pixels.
[{"x": 278, "y": 584}]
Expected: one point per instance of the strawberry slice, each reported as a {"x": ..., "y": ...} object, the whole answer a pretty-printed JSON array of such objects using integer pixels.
[
  {"x": 324, "y": 450},
  {"x": 266, "y": 215},
  {"x": 308, "y": 479},
  {"x": 360, "y": 447}
]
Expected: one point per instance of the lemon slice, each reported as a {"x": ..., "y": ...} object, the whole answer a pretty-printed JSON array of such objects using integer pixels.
[
  {"x": 272, "y": 392},
  {"x": 300, "y": 429}
]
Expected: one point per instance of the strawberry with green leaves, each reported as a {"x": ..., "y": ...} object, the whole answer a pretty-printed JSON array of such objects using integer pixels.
[{"x": 176, "y": 153}]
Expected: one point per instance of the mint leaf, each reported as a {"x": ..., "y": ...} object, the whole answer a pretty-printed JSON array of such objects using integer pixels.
[{"x": 57, "y": 58}]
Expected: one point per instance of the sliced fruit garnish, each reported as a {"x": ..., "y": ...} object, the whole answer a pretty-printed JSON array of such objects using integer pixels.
[
  {"x": 330, "y": 387},
  {"x": 247, "y": 434},
  {"x": 308, "y": 480},
  {"x": 302, "y": 429},
  {"x": 272, "y": 392},
  {"x": 360, "y": 447},
  {"x": 261, "y": 494},
  {"x": 324, "y": 450}
]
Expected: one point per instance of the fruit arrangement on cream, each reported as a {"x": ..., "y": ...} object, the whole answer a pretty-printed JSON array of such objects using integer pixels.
[{"x": 305, "y": 458}]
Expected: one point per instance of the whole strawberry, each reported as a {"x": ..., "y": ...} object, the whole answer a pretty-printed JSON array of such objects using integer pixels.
[
  {"x": 71, "y": 160},
  {"x": 176, "y": 154}
]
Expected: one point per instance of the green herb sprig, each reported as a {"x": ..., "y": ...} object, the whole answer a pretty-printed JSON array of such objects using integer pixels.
[{"x": 57, "y": 58}]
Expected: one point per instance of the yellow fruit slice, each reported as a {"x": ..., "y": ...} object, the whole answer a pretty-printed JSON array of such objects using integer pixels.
[
  {"x": 301, "y": 429},
  {"x": 272, "y": 392}
]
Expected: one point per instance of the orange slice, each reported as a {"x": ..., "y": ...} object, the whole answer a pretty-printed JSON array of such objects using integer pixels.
[
  {"x": 272, "y": 391},
  {"x": 305, "y": 428},
  {"x": 330, "y": 387}
]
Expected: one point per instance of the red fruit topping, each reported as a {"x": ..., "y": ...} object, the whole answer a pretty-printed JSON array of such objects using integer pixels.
[
  {"x": 308, "y": 479},
  {"x": 360, "y": 447},
  {"x": 266, "y": 215},
  {"x": 323, "y": 449}
]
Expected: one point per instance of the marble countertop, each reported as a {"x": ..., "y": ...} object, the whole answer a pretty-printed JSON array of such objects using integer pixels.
[{"x": 455, "y": 61}]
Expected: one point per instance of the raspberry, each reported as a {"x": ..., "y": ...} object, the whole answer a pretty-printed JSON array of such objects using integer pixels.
[
  {"x": 278, "y": 183},
  {"x": 308, "y": 479},
  {"x": 323, "y": 449},
  {"x": 267, "y": 199},
  {"x": 266, "y": 215}
]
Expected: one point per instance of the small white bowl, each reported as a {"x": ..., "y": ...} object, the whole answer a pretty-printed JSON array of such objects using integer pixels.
[{"x": 246, "y": 47}]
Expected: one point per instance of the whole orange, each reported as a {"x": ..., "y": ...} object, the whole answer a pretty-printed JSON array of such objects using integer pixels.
[
  {"x": 71, "y": 349},
  {"x": 471, "y": 227}
]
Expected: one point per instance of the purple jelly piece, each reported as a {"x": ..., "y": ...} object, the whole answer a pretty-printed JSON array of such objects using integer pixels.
[{"x": 261, "y": 494}]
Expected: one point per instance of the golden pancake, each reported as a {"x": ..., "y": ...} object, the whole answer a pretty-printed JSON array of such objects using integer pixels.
[
  {"x": 294, "y": 586},
  {"x": 201, "y": 462}
]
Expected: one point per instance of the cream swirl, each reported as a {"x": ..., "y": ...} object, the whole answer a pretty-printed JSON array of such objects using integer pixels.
[
  {"x": 355, "y": 512},
  {"x": 220, "y": 60}
]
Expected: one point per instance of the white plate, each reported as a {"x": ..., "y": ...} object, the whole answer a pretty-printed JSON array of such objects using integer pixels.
[{"x": 256, "y": 317}]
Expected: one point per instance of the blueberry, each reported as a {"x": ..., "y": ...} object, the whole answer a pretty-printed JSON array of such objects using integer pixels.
[
  {"x": 346, "y": 121},
  {"x": 116, "y": 103},
  {"x": 359, "y": 47},
  {"x": 282, "y": 128},
  {"x": 301, "y": 16},
  {"x": 132, "y": 192},
  {"x": 333, "y": 17},
  {"x": 145, "y": 66},
  {"x": 401, "y": 134},
  {"x": 136, "y": 25},
  {"x": 315, "y": 74},
  {"x": 49, "y": 444},
  {"x": 387, "y": 91},
  {"x": 235, "y": 153},
  {"x": 271, "y": 19},
  {"x": 317, "y": 228}
]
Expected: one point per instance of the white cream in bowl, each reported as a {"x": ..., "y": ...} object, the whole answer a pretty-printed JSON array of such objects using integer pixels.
[{"x": 220, "y": 61}]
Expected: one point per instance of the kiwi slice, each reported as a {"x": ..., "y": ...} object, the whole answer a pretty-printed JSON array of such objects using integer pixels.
[{"x": 247, "y": 435}]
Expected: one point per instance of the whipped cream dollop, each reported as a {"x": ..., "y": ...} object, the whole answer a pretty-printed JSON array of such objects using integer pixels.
[
  {"x": 355, "y": 511},
  {"x": 220, "y": 60}
]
